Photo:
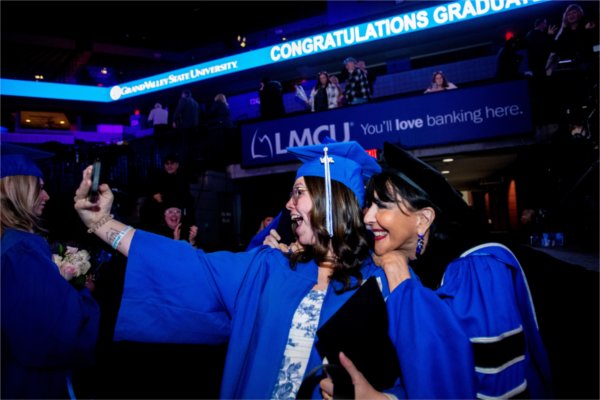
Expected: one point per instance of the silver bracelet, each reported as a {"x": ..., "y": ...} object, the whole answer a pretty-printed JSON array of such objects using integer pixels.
[{"x": 100, "y": 222}]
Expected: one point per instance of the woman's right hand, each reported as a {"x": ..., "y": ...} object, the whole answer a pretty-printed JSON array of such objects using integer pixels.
[
  {"x": 272, "y": 240},
  {"x": 90, "y": 213},
  {"x": 395, "y": 265},
  {"x": 362, "y": 387}
]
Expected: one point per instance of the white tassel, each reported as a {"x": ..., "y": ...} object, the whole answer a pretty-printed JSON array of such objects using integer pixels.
[{"x": 326, "y": 160}]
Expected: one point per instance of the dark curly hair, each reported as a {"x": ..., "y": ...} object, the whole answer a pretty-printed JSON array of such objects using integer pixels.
[{"x": 350, "y": 242}]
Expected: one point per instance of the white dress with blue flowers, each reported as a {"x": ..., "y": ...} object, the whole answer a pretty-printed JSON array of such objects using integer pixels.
[{"x": 299, "y": 345}]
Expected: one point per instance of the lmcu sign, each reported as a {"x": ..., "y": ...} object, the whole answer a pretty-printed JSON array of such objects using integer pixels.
[{"x": 455, "y": 116}]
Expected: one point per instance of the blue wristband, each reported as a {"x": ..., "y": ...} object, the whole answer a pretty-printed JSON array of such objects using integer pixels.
[{"x": 119, "y": 236}]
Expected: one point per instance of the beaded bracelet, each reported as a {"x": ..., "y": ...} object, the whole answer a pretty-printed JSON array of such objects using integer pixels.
[
  {"x": 120, "y": 236},
  {"x": 101, "y": 222}
]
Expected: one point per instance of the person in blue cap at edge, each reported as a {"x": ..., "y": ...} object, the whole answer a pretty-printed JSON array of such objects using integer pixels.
[
  {"x": 260, "y": 301},
  {"x": 49, "y": 327}
]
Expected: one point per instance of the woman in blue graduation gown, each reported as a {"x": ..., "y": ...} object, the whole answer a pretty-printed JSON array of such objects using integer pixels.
[
  {"x": 477, "y": 334},
  {"x": 48, "y": 326},
  {"x": 266, "y": 304}
]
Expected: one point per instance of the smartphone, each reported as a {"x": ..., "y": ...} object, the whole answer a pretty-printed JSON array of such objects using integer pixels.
[
  {"x": 284, "y": 227},
  {"x": 93, "y": 193}
]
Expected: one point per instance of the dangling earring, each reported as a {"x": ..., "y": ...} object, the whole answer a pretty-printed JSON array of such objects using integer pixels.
[{"x": 420, "y": 243}]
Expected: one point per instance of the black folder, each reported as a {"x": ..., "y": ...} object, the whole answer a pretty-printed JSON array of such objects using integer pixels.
[{"x": 360, "y": 329}]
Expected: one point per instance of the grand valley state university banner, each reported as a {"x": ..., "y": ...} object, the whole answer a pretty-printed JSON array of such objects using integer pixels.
[{"x": 455, "y": 116}]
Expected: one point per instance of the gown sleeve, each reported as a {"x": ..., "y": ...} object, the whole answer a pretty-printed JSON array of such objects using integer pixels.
[
  {"x": 435, "y": 355},
  {"x": 46, "y": 322},
  {"x": 490, "y": 298},
  {"x": 174, "y": 293}
]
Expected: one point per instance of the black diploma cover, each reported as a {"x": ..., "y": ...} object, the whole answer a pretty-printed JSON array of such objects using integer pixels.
[{"x": 360, "y": 329}]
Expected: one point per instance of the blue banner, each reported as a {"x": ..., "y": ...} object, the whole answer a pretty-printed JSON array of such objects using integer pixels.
[{"x": 455, "y": 116}]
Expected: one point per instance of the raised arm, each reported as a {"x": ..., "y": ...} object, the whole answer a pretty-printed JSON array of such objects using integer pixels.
[{"x": 96, "y": 216}]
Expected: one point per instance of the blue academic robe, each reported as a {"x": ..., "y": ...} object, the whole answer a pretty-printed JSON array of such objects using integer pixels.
[
  {"x": 174, "y": 293},
  {"x": 48, "y": 326},
  {"x": 475, "y": 336}
]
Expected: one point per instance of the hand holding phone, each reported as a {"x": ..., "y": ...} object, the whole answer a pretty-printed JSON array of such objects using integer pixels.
[{"x": 93, "y": 193}]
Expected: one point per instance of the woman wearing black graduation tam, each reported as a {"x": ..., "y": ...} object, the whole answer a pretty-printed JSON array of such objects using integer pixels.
[
  {"x": 48, "y": 326},
  {"x": 266, "y": 304},
  {"x": 477, "y": 334}
]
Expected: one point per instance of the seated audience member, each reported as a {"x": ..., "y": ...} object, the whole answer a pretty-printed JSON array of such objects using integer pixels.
[
  {"x": 170, "y": 186},
  {"x": 439, "y": 83},
  {"x": 264, "y": 223},
  {"x": 175, "y": 226}
]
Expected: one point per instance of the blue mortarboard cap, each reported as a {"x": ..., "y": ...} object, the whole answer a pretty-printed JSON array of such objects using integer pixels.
[
  {"x": 18, "y": 160},
  {"x": 349, "y": 59},
  {"x": 351, "y": 164},
  {"x": 18, "y": 164}
]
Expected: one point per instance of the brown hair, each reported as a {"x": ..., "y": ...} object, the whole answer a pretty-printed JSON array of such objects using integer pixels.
[
  {"x": 18, "y": 197},
  {"x": 349, "y": 242}
]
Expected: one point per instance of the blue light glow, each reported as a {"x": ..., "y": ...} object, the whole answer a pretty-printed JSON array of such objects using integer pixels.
[
  {"x": 432, "y": 17},
  {"x": 59, "y": 91}
]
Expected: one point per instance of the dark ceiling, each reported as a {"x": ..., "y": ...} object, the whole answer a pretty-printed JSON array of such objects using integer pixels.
[{"x": 174, "y": 26}]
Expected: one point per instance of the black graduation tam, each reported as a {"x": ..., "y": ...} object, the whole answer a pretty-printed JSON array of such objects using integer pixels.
[
  {"x": 424, "y": 177},
  {"x": 173, "y": 203},
  {"x": 18, "y": 160}
]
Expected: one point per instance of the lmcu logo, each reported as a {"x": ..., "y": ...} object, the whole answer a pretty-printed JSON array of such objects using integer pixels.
[{"x": 266, "y": 145}]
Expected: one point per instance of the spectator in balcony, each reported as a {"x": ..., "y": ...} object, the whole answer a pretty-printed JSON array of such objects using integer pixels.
[
  {"x": 538, "y": 42},
  {"x": 219, "y": 114},
  {"x": 187, "y": 113},
  {"x": 439, "y": 83},
  {"x": 186, "y": 119},
  {"x": 324, "y": 95},
  {"x": 357, "y": 86},
  {"x": 575, "y": 67},
  {"x": 271, "y": 99},
  {"x": 336, "y": 82},
  {"x": 508, "y": 61},
  {"x": 220, "y": 132},
  {"x": 574, "y": 42},
  {"x": 159, "y": 117},
  {"x": 370, "y": 75}
]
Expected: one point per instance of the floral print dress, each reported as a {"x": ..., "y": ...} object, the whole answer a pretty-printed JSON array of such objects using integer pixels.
[{"x": 299, "y": 345}]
